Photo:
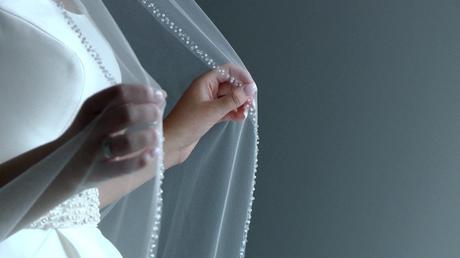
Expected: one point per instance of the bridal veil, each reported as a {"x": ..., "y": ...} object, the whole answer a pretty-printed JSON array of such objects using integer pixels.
[{"x": 201, "y": 208}]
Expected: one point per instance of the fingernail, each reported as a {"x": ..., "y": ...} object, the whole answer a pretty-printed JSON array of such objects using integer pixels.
[
  {"x": 250, "y": 89},
  {"x": 245, "y": 113},
  {"x": 153, "y": 123},
  {"x": 157, "y": 151},
  {"x": 159, "y": 95},
  {"x": 165, "y": 94}
]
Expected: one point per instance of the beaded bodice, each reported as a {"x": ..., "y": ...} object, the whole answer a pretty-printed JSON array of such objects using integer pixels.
[{"x": 80, "y": 210}]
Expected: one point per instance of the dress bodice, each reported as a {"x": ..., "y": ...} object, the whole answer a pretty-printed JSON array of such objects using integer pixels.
[{"x": 48, "y": 71}]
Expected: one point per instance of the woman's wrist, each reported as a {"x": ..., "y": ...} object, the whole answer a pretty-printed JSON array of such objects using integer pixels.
[
  {"x": 18, "y": 165},
  {"x": 171, "y": 154}
]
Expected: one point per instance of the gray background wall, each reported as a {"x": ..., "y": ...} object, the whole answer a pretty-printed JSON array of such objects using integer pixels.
[{"x": 360, "y": 125}]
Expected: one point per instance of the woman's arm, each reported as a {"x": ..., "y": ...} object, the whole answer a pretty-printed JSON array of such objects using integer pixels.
[
  {"x": 208, "y": 100},
  {"x": 58, "y": 190},
  {"x": 18, "y": 165},
  {"x": 24, "y": 199}
]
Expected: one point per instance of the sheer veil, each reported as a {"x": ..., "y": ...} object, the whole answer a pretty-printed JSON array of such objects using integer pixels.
[{"x": 201, "y": 208}]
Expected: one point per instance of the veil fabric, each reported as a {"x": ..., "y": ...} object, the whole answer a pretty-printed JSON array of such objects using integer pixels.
[{"x": 203, "y": 207}]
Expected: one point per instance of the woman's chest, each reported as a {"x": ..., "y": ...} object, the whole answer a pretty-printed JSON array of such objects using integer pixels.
[{"x": 47, "y": 72}]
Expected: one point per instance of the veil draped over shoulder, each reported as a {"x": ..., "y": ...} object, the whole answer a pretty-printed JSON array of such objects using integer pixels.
[{"x": 201, "y": 208}]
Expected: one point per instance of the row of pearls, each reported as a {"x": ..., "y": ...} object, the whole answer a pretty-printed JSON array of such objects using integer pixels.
[
  {"x": 80, "y": 210},
  {"x": 157, "y": 206},
  {"x": 86, "y": 44},
  {"x": 179, "y": 33},
  {"x": 251, "y": 198}
]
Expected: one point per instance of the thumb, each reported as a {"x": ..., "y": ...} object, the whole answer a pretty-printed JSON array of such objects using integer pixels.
[{"x": 235, "y": 98}]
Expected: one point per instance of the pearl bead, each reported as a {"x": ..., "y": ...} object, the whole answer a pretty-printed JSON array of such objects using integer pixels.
[{"x": 82, "y": 209}]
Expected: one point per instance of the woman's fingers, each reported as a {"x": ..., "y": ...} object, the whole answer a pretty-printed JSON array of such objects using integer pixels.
[
  {"x": 122, "y": 94},
  {"x": 116, "y": 167},
  {"x": 236, "y": 115},
  {"x": 230, "y": 86},
  {"x": 227, "y": 73},
  {"x": 224, "y": 89},
  {"x": 231, "y": 99},
  {"x": 124, "y": 144},
  {"x": 234, "y": 99},
  {"x": 123, "y": 116}
]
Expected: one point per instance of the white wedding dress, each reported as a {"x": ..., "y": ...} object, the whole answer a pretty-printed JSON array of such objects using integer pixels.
[{"x": 36, "y": 40}]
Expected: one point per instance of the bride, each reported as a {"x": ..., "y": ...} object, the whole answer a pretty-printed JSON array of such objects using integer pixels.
[{"x": 68, "y": 149}]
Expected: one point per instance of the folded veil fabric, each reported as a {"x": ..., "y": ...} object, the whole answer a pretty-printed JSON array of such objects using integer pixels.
[{"x": 201, "y": 208}]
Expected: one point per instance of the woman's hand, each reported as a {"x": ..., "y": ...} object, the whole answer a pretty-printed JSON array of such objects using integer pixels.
[
  {"x": 209, "y": 99},
  {"x": 119, "y": 107},
  {"x": 115, "y": 108}
]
